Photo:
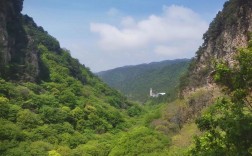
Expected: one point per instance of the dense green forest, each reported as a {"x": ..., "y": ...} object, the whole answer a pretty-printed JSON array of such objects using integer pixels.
[
  {"x": 50, "y": 104},
  {"x": 135, "y": 81}
]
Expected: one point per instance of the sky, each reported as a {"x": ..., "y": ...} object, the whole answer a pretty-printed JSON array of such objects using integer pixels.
[{"x": 105, "y": 34}]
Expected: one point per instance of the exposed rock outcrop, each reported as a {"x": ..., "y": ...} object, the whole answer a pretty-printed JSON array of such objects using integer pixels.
[
  {"x": 228, "y": 31},
  {"x": 19, "y": 40},
  {"x": 13, "y": 39}
]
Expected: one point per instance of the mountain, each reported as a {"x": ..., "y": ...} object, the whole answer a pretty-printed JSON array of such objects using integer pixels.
[
  {"x": 217, "y": 91},
  {"x": 135, "y": 81},
  {"x": 227, "y": 32}
]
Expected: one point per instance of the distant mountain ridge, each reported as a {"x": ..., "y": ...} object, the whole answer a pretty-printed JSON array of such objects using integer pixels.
[{"x": 136, "y": 80}]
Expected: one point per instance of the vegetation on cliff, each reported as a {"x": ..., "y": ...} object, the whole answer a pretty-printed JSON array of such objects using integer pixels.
[{"x": 227, "y": 124}]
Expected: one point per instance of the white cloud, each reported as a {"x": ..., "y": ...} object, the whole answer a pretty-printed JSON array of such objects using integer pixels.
[{"x": 177, "y": 31}]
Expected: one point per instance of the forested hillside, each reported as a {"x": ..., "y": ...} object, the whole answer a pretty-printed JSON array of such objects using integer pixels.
[{"x": 135, "y": 81}]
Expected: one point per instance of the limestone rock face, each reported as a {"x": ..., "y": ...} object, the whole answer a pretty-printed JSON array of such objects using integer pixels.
[
  {"x": 7, "y": 15},
  {"x": 18, "y": 54},
  {"x": 228, "y": 31}
]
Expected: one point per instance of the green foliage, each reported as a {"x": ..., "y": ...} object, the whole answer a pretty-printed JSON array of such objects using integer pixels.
[
  {"x": 4, "y": 107},
  {"x": 93, "y": 148},
  {"x": 135, "y": 110},
  {"x": 227, "y": 124},
  {"x": 152, "y": 116},
  {"x": 37, "y": 120},
  {"x": 140, "y": 141},
  {"x": 27, "y": 119},
  {"x": 53, "y": 153}
]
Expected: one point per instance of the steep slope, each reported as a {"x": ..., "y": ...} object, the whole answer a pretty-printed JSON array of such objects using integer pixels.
[
  {"x": 135, "y": 81},
  {"x": 229, "y": 30},
  {"x": 216, "y": 91},
  {"x": 16, "y": 48}
]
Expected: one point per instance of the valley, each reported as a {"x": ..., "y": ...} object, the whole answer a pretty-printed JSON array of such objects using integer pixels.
[{"x": 51, "y": 104}]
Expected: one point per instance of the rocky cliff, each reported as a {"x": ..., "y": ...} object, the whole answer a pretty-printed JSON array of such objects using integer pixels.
[
  {"x": 229, "y": 30},
  {"x": 13, "y": 40},
  {"x": 19, "y": 39}
]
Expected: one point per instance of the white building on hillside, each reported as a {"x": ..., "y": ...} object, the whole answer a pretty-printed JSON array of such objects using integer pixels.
[{"x": 152, "y": 94}]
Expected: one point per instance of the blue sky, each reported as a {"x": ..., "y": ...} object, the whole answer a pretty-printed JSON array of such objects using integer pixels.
[{"x": 105, "y": 34}]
